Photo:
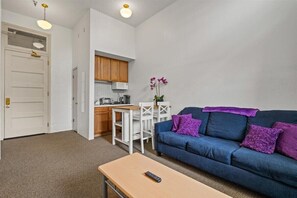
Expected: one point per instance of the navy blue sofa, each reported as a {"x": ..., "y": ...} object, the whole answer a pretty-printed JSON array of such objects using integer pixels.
[{"x": 217, "y": 151}]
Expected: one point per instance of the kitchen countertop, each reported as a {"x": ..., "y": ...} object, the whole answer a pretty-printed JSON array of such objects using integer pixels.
[{"x": 113, "y": 105}]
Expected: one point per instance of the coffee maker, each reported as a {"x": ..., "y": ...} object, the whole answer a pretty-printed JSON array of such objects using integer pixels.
[{"x": 127, "y": 99}]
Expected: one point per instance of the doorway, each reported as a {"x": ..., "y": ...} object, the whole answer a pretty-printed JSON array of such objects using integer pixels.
[
  {"x": 74, "y": 99},
  {"x": 26, "y": 81},
  {"x": 26, "y": 90}
]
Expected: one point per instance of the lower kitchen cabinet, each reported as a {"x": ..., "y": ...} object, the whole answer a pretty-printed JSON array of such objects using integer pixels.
[
  {"x": 103, "y": 120},
  {"x": 118, "y": 118}
]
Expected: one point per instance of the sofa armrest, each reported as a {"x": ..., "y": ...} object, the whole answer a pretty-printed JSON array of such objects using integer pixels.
[
  {"x": 159, "y": 128},
  {"x": 163, "y": 126}
]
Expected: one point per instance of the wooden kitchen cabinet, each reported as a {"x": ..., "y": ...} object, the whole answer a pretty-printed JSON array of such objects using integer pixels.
[
  {"x": 118, "y": 118},
  {"x": 101, "y": 121},
  {"x": 102, "y": 68},
  {"x": 107, "y": 69},
  {"x": 114, "y": 70},
  {"x": 123, "y": 73},
  {"x": 97, "y": 67}
]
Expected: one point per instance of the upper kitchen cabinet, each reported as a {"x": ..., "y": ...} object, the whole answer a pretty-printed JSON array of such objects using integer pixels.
[
  {"x": 102, "y": 68},
  {"x": 107, "y": 69},
  {"x": 115, "y": 70},
  {"x": 123, "y": 74},
  {"x": 97, "y": 67}
]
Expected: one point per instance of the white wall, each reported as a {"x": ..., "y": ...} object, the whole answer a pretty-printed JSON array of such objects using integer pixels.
[
  {"x": 1, "y": 87},
  {"x": 231, "y": 52},
  {"x": 96, "y": 32},
  {"x": 111, "y": 36},
  {"x": 105, "y": 90},
  {"x": 81, "y": 60},
  {"x": 61, "y": 68}
]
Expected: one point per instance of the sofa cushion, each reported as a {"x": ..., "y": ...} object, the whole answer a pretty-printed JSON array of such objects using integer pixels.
[
  {"x": 226, "y": 125},
  {"x": 199, "y": 115},
  {"x": 213, "y": 148},
  {"x": 274, "y": 166},
  {"x": 268, "y": 118},
  {"x": 174, "y": 139}
]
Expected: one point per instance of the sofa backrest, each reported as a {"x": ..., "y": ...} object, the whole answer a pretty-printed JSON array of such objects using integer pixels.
[
  {"x": 227, "y": 126},
  {"x": 233, "y": 127},
  {"x": 268, "y": 118},
  {"x": 197, "y": 114}
]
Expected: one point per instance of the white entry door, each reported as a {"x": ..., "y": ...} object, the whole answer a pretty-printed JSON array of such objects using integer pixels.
[
  {"x": 74, "y": 100},
  {"x": 26, "y": 94}
]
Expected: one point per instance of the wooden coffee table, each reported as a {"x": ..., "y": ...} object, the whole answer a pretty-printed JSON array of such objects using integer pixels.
[{"x": 126, "y": 176}]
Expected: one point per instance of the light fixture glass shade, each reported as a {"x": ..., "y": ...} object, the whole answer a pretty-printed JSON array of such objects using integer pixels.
[
  {"x": 38, "y": 45},
  {"x": 125, "y": 11},
  {"x": 44, "y": 24}
]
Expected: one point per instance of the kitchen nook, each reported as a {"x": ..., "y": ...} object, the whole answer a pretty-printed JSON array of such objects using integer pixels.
[
  {"x": 114, "y": 114},
  {"x": 111, "y": 85}
]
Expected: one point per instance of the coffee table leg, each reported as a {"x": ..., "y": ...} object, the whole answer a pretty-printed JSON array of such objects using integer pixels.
[{"x": 104, "y": 187}]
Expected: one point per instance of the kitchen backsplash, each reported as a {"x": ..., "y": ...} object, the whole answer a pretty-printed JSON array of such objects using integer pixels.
[{"x": 104, "y": 90}]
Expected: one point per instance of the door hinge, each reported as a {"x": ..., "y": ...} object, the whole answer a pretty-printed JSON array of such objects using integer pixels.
[
  {"x": 47, "y": 124},
  {"x": 48, "y": 93},
  {"x": 72, "y": 120},
  {"x": 48, "y": 62}
]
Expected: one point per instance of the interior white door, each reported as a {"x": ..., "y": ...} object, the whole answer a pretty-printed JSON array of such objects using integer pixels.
[
  {"x": 74, "y": 100},
  {"x": 26, "y": 94}
]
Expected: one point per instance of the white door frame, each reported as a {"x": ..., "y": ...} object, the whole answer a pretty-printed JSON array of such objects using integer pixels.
[{"x": 5, "y": 46}]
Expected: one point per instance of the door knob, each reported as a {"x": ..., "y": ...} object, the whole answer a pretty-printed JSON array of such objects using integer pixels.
[{"x": 7, "y": 101}]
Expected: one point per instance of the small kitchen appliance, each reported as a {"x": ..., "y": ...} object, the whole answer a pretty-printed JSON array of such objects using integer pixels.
[
  {"x": 104, "y": 101},
  {"x": 119, "y": 86},
  {"x": 127, "y": 99},
  {"x": 121, "y": 100}
]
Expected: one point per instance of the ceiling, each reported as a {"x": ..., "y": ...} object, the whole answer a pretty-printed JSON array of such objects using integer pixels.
[{"x": 68, "y": 12}]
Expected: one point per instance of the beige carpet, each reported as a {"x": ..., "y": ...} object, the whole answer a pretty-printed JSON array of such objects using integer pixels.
[{"x": 65, "y": 165}]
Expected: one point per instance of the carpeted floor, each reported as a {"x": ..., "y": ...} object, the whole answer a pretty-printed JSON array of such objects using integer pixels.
[{"x": 65, "y": 165}]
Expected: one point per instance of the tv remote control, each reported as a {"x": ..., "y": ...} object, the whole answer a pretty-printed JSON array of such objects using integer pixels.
[{"x": 153, "y": 176}]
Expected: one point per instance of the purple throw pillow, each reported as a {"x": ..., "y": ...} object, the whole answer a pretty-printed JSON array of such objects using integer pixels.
[
  {"x": 189, "y": 126},
  {"x": 287, "y": 142},
  {"x": 261, "y": 139},
  {"x": 176, "y": 120}
]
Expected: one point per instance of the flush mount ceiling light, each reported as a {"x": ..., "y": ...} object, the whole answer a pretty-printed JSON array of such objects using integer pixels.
[
  {"x": 126, "y": 12},
  {"x": 44, "y": 24},
  {"x": 38, "y": 45}
]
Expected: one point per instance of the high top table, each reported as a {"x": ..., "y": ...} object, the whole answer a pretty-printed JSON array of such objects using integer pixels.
[
  {"x": 126, "y": 177},
  {"x": 126, "y": 124}
]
